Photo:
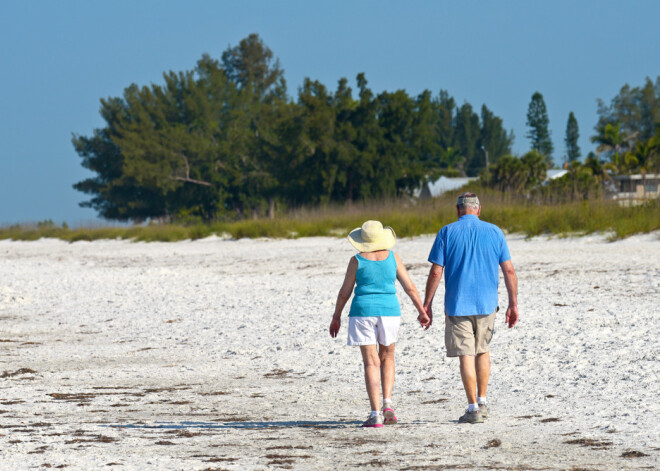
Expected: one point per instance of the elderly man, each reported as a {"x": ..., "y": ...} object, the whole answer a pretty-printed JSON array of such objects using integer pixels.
[{"x": 469, "y": 251}]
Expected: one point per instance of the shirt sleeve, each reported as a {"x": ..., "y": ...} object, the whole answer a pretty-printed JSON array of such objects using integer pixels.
[
  {"x": 504, "y": 250},
  {"x": 437, "y": 254}
]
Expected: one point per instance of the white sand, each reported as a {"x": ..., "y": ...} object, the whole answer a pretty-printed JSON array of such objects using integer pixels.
[{"x": 215, "y": 354}]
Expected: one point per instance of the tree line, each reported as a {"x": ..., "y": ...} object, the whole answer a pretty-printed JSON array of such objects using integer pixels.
[{"x": 225, "y": 140}]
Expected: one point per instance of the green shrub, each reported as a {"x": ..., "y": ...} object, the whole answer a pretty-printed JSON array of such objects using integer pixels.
[{"x": 513, "y": 213}]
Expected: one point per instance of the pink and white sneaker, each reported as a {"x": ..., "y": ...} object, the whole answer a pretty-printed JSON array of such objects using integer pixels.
[
  {"x": 388, "y": 414},
  {"x": 374, "y": 422}
]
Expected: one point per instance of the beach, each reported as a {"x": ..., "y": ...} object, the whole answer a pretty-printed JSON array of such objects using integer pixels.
[{"x": 215, "y": 354}]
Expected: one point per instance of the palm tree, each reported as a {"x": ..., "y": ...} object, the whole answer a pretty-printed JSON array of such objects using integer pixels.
[
  {"x": 645, "y": 157},
  {"x": 509, "y": 175},
  {"x": 536, "y": 165},
  {"x": 600, "y": 171},
  {"x": 612, "y": 140}
]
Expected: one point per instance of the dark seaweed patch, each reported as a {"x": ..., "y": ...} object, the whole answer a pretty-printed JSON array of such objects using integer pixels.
[
  {"x": 91, "y": 439},
  {"x": 633, "y": 454},
  {"x": 590, "y": 442},
  {"x": 277, "y": 373},
  {"x": 436, "y": 401},
  {"x": 20, "y": 371},
  {"x": 495, "y": 442}
]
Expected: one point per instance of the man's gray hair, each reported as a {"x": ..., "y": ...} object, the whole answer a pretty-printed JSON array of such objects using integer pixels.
[{"x": 468, "y": 200}]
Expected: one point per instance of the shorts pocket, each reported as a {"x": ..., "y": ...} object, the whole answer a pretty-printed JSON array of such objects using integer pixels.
[
  {"x": 491, "y": 329},
  {"x": 450, "y": 338},
  {"x": 489, "y": 334}
]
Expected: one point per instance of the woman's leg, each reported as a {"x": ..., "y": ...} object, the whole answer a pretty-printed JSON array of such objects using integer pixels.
[
  {"x": 372, "y": 374},
  {"x": 386, "y": 357}
]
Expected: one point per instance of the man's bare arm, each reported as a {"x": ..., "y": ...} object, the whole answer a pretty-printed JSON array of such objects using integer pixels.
[{"x": 511, "y": 282}]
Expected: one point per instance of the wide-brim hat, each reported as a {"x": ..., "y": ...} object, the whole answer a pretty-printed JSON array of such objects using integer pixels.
[{"x": 372, "y": 236}]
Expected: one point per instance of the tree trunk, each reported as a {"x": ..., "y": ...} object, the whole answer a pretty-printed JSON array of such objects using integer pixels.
[{"x": 271, "y": 208}]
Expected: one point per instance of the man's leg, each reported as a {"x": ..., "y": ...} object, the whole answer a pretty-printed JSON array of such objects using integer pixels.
[
  {"x": 483, "y": 373},
  {"x": 386, "y": 356},
  {"x": 469, "y": 377},
  {"x": 372, "y": 374},
  {"x": 484, "y": 334}
]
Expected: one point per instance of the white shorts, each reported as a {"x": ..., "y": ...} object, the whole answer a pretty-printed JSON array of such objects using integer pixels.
[{"x": 373, "y": 330}]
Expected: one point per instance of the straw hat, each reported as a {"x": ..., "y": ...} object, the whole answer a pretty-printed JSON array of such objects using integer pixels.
[{"x": 372, "y": 236}]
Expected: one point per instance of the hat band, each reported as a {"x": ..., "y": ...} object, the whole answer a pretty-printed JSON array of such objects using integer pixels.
[{"x": 468, "y": 200}]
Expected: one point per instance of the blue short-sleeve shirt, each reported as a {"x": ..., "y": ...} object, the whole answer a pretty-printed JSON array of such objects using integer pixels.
[{"x": 470, "y": 250}]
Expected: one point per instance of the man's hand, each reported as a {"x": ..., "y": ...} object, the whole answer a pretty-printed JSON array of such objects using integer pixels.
[
  {"x": 511, "y": 316},
  {"x": 511, "y": 282},
  {"x": 429, "y": 314},
  {"x": 334, "y": 326},
  {"x": 424, "y": 320}
]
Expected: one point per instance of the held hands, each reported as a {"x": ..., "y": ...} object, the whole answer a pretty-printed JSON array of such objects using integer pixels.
[
  {"x": 334, "y": 326},
  {"x": 511, "y": 316},
  {"x": 425, "y": 318}
]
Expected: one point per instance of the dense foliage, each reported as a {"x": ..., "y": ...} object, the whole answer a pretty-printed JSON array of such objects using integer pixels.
[
  {"x": 225, "y": 140},
  {"x": 636, "y": 110},
  {"x": 628, "y": 130},
  {"x": 628, "y": 138}
]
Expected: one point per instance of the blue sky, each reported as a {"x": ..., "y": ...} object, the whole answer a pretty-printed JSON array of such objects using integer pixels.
[{"x": 57, "y": 59}]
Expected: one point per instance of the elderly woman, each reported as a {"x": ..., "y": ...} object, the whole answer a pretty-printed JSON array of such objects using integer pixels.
[{"x": 375, "y": 315}]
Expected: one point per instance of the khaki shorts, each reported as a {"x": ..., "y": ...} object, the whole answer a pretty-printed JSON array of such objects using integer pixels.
[{"x": 468, "y": 335}]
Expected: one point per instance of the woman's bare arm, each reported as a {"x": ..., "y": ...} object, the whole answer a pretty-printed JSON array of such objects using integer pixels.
[
  {"x": 411, "y": 290},
  {"x": 344, "y": 295}
]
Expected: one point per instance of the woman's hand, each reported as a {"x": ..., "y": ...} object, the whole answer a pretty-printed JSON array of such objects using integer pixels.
[
  {"x": 424, "y": 320},
  {"x": 334, "y": 326}
]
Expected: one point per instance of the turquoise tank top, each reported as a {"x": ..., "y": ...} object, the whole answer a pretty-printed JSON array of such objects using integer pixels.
[{"x": 375, "y": 293}]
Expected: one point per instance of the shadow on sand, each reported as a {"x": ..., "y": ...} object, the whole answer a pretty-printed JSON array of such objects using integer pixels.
[{"x": 322, "y": 424}]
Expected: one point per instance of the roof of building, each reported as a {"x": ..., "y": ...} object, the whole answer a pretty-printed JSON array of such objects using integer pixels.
[
  {"x": 444, "y": 184},
  {"x": 555, "y": 173},
  {"x": 650, "y": 176}
]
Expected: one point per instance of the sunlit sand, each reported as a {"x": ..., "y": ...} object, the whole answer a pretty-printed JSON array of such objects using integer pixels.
[{"x": 215, "y": 354}]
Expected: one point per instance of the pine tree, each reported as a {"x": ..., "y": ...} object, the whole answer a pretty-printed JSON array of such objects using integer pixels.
[
  {"x": 251, "y": 65},
  {"x": 571, "y": 140},
  {"x": 537, "y": 120},
  {"x": 467, "y": 133},
  {"x": 494, "y": 138}
]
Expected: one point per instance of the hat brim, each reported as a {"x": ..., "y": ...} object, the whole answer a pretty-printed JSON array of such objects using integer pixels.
[{"x": 385, "y": 242}]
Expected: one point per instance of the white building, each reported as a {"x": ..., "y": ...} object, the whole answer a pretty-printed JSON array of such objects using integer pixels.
[
  {"x": 442, "y": 185},
  {"x": 635, "y": 189}
]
